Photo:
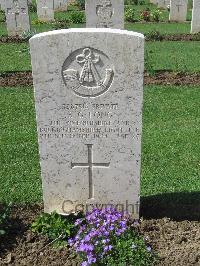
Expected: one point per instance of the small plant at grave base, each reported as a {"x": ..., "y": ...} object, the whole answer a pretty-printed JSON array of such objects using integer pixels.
[
  {"x": 108, "y": 237},
  {"x": 154, "y": 36},
  {"x": 156, "y": 15},
  {"x": 55, "y": 226},
  {"x": 130, "y": 15},
  {"x": 77, "y": 17},
  {"x": 26, "y": 35},
  {"x": 148, "y": 63},
  {"x": 33, "y": 7},
  {"x": 145, "y": 15},
  {"x": 4, "y": 214},
  {"x": 64, "y": 24},
  {"x": 39, "y": 22}
]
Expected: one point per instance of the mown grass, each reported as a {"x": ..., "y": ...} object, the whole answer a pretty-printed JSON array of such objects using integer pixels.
[
  {"x": 174, "y": 56},
  {"x": 170, "y": 149},
  {"x": 19, "y": 173},
  {"x": 170, "y": 143},
  {"x": 14, "y": 57},
  {"x": 162, "y": 28}
]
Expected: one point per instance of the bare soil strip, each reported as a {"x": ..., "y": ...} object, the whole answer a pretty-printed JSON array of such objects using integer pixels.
[
  {"x": 18, "y": 79},
  {"x": 154, "y": 36},
  {"x": 176, "y": 242}
]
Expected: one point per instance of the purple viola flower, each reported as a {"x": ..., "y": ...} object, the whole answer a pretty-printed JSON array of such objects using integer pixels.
[
  {"x": 71, "y": 242},
  {"x": 105, "y": 241},
  {"x": 91, "y": 259},
  {"x": 85, "y": 247},
  {"x": 95, "y": 232},
  {"x": 87, "y": 238},
  {"x": 111, "y": 228},
  {"x": 84, "y": 263},
  {"x": 107, "y": 248},
  {"x": 78, "y": 221}
]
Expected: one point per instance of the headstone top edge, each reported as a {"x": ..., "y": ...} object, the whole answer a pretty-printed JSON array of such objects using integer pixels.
[{"x": 88, "y": 30}]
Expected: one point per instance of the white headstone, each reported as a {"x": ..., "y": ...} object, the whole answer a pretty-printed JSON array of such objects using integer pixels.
[
  {"x": 104, "y": 14},
  {"x": 163, "y": 3},
  {"x": 155, "y": 2},
  {"x": 2, "y": 5},
  {"x": 88, "y": 92},
  {"x": 60, "y": 5},
  {"x": 45, "y": 10},
  {"x": 195, "y": 26},
  {"x": 178, "y": 10},
  {"x": 17, "y": 17}
]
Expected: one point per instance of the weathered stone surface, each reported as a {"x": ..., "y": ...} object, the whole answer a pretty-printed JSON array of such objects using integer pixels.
[
  {"x": 178, "y": 10},
  {"x": 17, "y": 18},
  {"x": 155, "y": 2},
  {"x": 105, "y": 14},
  {"x": 195, "y": 26},
  {"x": 45, "y": 10},
  {"x": 60, "y": 5},
  {"x": 2, "y": 5},
  {"x": 163, "y": 3},
  {"x": 88, "y": 92}
]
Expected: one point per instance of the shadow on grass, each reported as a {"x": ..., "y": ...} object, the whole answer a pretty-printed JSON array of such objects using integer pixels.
[{"x": 177, "y": 206}]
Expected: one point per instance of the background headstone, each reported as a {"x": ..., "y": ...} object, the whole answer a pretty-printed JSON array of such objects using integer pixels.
[
  {"x": 60, "y": 5},
  {"x": 104, "y": 14},
  {"x": 88, "y": 92},
  {"x": 155, "y": 2},
  {"x": 45, "y": 10},
  {"x": 17, "y": 17},
  {"x": 163, "y": 3},
  {"x": 195, "y": 26},
  {"x": 178, "y": 10},
  {"x": 2, "y": 5}
]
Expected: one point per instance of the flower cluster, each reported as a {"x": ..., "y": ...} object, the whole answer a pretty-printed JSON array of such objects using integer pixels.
[
  {"x": 145, "y": 15},
  {"x": 96, "y": 231}
]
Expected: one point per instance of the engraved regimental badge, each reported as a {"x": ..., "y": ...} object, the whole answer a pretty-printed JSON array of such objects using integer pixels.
[
  {"x": 88, "y": 72},
  {"x": 104, "y": 13}
]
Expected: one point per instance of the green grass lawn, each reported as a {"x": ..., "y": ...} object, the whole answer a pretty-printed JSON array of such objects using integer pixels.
[
  {"x": 175, "y": 56},
  {"x": 170, "y": 143},
  {"x": 163, "y": 28}
]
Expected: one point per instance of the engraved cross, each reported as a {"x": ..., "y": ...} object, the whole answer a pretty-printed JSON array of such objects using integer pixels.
[
  {"x": 178, "y": 6},
  {"x": 15, "y": 10},
  {"x": 90, "y": 165}
]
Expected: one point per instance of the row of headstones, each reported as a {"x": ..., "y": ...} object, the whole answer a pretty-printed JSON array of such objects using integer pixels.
[
  {"x": 99, "y": 13},
  {"x": 178, "y": 11},
  {"x": 17, "y": 16}
]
